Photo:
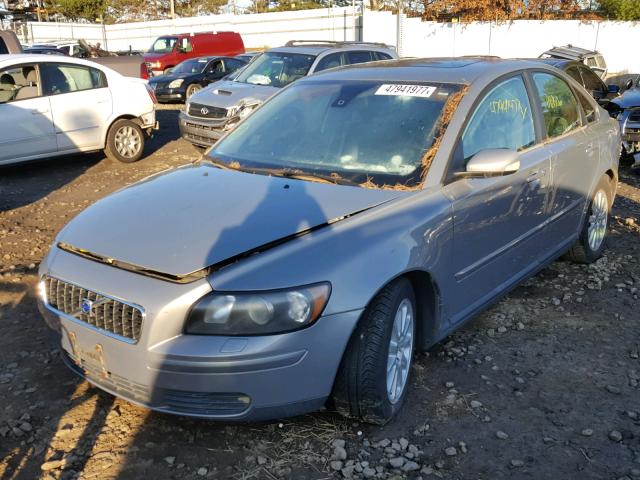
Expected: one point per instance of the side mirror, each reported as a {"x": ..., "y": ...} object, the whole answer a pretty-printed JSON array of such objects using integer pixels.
[
  {"x": 494, "y": 162},
  {"x": 613, "y": 88},
  {"x": 629, "y": 84}
]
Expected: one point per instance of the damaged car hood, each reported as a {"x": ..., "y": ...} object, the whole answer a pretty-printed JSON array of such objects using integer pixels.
[
  {"x": 629, "y": 99},
  {"x": 228, "y": 94},
  {"x": 197, "y": 216}
]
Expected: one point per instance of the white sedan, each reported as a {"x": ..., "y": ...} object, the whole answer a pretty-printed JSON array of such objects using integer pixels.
[{"x": 52, "y": 106}]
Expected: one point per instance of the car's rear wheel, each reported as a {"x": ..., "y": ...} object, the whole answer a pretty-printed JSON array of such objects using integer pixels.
[
  {"x": 193, "y": 88},
  {"x": 592, "y": 240},
  {"x": 374, "y": 374},
  {"x": 125, "y": 141}
]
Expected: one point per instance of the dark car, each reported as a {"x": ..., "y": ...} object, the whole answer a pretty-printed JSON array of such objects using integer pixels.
[
  {"x": 591, "y": 58},
  {"x": 626, "y": 109},
  {"x": 586, "y": 77},
  {"x": 191, "y": 75}
]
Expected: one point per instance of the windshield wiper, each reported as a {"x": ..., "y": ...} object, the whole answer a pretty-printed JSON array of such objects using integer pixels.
[
  {"x": 317, "y": 177},
  {"x": 334, "y": 179}
]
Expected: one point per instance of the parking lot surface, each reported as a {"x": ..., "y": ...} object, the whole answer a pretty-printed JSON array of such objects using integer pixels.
[{"x": 543, "y": 385}]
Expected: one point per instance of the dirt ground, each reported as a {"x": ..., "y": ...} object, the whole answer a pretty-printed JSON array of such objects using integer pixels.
[{"x": 545, "y": 385}]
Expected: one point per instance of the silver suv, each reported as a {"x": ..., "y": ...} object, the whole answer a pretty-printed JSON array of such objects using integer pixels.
[{"x": 212, "y": 112}]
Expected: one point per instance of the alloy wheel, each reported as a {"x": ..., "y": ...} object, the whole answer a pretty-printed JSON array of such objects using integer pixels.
[
  {"x": 127, "y": 141},
  {"x": 597, "y": 228},
  {"x": 400, "y": 349}
]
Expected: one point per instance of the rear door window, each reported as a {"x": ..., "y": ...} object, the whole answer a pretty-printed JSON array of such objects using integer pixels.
[
  {"x": 591, "y": 81},
  {"x": 66, "y": 78},
  {"x": 588, "y": 107},
  {"x": 353, "y": 58},
  {"x": 330, "y": 61},
  {"x": 503, "y": 119},
  {"x": 574, "y": 73},
  {"x": 381, "y": 56},
  {"x": 559, "y": 105}
]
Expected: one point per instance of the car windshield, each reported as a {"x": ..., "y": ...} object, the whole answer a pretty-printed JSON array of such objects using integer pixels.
[
  {"x": 191, "y": 66},
  {"x": 163, "y": 45},
  {"x": 357, "y": 131},
  {"x": 276, "y": 69}
]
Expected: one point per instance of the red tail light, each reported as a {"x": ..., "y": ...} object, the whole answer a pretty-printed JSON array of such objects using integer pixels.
[
  {"x": 144, "y": 71},
  {"x": 152, "y": 95}
]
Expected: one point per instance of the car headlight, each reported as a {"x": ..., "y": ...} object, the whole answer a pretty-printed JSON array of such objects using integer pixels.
[
  {"x": 257, "y": 313},
  {"x": 245, "y": 110},
  {"x": 156, "y": 65},
  {"x": 176, "y": 83}
]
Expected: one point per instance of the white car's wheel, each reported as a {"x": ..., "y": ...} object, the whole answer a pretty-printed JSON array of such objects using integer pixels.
[{"x": 125, "y": 141}]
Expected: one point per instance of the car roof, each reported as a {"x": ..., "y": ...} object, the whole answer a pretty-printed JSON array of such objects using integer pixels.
[
  {"x": 464, "y": 70},
  {"x": 556, "y": 62},
  {"x": 316, "y": 47}
]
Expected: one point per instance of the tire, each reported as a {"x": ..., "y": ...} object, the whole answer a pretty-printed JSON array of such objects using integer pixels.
[
  {"x": 361, "y": 386},
  {"x": 131, "y": 134},
  {"x": 593, "y": 236},
  {"x": 191, "y": 89}
]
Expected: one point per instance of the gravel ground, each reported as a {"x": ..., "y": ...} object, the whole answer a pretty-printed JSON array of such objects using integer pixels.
[{"x": 544, "y": 385}]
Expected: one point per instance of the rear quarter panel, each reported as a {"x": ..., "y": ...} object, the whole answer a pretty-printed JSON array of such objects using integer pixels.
[{"x": 128, "y": 66}]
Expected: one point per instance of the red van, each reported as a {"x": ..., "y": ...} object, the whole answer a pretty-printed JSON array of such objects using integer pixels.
[{"x": 169, "y": 50}]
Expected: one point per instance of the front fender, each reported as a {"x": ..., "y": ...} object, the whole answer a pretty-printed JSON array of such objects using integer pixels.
[{"x": 358, "y": 255}]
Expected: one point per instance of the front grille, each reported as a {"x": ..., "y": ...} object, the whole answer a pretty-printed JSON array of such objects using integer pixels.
[
  {"x": 100, "y": 311},
  {"x": 634, "y": 116},
  {"x": 205, "y": 111},
  {"x": 204, "y": 403}
]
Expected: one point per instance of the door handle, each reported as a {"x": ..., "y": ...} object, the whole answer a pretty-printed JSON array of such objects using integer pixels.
[
  {"x": 537, "y": 175},
  {"x": 40, "y": 111}
]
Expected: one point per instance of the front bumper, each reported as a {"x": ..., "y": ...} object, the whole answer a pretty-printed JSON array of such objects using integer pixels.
[
  {"x": 167, "y": 95},
  {"x": 203, "y": 132},
  {"x": 630, "y": 128},
  {"x": 227, "y": 378}
]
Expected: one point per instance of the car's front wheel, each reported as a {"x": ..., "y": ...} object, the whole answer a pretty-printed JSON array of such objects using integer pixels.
[
  {"x": 593, "y": 236},
  {"x": 193, "y": 88},
  {"x": 374, "y": 374},
  {"x": 125, "y": 141}
]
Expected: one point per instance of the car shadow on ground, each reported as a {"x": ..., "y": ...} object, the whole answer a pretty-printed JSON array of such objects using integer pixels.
[
  {"x": 168, "y": 131},
  {"x": 43, "y": 177}
]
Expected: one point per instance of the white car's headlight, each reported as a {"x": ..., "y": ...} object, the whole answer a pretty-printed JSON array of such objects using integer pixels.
[
  {"x": 257, "y": 313},
  {"x": 176, "y": 83}
]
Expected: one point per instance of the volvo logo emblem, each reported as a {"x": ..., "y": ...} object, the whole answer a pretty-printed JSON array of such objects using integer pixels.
[
  {"x": 204, "y": 111},
  {"x": 86, "y": 305}
]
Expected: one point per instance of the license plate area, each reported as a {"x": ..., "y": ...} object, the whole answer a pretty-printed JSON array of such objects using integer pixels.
[{"x": 89, "y": 358}]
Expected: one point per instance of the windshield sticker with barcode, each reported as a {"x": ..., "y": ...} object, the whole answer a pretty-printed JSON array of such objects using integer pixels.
[{"x": 406, "y": 90}]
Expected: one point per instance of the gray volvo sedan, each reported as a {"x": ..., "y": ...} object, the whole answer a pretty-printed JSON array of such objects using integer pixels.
[{"x": 358, "y": 215}]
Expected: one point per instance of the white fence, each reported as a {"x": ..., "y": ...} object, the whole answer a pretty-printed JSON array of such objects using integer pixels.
[
  {"x": 517, "y": 39},
  {"x": 257, "y": 30},
  {"x": 520, "y": 38}
]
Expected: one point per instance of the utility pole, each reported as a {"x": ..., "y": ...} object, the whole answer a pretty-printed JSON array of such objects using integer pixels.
[
  {"x": 173, "y": 9},
  {"x": 399, "y": 33},
  {"x": 38, "y": 8}
]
